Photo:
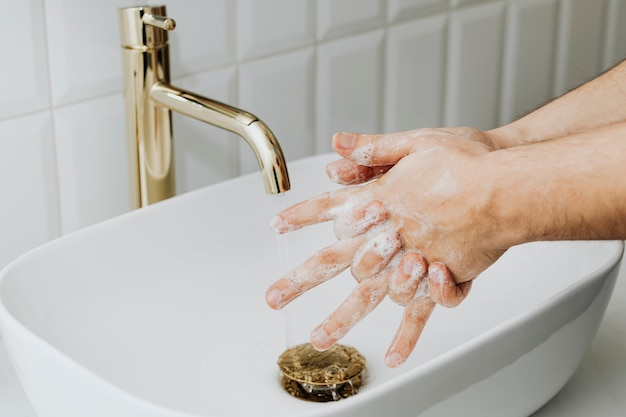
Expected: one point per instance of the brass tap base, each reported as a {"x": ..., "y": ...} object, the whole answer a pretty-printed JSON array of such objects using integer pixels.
[{"x": 331, "y": 375}]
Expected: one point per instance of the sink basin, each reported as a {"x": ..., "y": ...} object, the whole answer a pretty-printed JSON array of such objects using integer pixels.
[{"x": 161, "y": 312}]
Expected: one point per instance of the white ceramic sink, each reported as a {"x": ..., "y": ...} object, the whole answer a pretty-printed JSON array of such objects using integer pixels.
[{"x": 161, "y": 313}]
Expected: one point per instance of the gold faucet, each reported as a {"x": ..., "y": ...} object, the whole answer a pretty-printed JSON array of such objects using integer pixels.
[{"x": 150, "y": 98}]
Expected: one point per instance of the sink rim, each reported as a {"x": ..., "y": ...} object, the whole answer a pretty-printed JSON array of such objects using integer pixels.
[{"x": 498, "y": 331}]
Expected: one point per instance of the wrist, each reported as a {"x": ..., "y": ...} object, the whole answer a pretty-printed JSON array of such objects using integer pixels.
[{"x": 509, "y": 201}]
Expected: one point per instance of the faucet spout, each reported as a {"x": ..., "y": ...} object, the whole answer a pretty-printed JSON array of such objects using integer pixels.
[
  {"x": 150, "y": 99},
  {"x": 252, "y": 129}
]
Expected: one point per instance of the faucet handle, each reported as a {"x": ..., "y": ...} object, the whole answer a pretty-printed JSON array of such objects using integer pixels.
[
  {"x": 161, "y": 22},
  {"x": 144, "y": 27}
]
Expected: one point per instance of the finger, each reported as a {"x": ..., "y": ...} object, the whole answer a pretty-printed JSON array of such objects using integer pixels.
[
  {"x": 375, "y": 254},
  {"x": 347, "y": 172},
  {"x": 443, "y": 289},
  {"x": 321, "y": 208},
  {"x": 358, "y": 219},
  {"x": 325, "y": 264},
  {"x": 386, "y": 149},
  {"x": 407, "y": 277},
  {"x": 359, "y": 304},
  {"x": 371, "y": 150},
  {"x": 415, "y": 316}
]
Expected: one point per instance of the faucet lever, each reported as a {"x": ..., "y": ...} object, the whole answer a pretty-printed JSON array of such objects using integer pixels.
[{"x": 161, "y": 22}]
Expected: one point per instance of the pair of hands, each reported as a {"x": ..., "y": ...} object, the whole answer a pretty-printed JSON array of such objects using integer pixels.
[{"x": 419, "y": 233}]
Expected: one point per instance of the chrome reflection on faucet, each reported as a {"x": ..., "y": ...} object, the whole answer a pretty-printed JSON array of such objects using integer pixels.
[{"x": 150, "y": 99}]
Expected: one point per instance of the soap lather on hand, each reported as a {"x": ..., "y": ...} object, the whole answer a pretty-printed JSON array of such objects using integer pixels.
[{"x": 370, "y": 223}]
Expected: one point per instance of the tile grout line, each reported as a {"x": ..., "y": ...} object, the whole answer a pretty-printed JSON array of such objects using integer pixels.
[{"x": 51, "y": 111}]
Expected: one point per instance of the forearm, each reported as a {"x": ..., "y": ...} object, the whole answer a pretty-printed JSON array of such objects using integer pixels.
[
  {"x": 600, "y": 102},
  {"x": 571, "y": 188}
]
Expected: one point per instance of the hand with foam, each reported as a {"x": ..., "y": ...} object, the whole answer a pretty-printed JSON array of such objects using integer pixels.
[
  {"x": 404, "y": 235},
  {"x": 354, "y": 169}
]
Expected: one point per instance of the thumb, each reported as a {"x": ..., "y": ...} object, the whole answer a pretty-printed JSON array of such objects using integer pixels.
[{"x": 373, "y": 150}]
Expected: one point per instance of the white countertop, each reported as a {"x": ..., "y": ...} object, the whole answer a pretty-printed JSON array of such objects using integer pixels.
[{"x": 598, "y": 388}]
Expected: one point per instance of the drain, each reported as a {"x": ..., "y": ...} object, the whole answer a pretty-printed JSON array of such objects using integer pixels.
[{"x": 326, "y": 376}]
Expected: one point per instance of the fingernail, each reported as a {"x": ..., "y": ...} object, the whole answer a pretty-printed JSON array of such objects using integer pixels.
[
  {"x": 436, "y": 275},
  {"x": 277, "y": 224},
  {"x": 274, "y": 299},
  {"x": 393, "y": 360},
  {"x": 345, "y": 141},
  {"x": 409, "y": 266},
  {"x": 319, "y": 338},
  {"x": 374, "y": 211},
  {"x": 332, "y": 173}
]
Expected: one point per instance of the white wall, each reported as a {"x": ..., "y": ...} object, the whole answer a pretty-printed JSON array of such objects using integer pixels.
[{"x": 306, "y": 67}]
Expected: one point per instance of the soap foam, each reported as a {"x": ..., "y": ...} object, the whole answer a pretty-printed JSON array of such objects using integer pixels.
[
  {"x": 382, "y": 241},
  {"x": 347, "y": 226},
  {"x": 385, "y": 244},
  {"x": 423, "y": 290},
  {"x": 409, "y": 285},
  {"x": 446, "y": 186},
  {"x": 363, "y": 154}
]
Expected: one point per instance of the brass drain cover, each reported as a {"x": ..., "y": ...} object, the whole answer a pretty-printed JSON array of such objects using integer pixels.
[{"x": 321, "y": 376}]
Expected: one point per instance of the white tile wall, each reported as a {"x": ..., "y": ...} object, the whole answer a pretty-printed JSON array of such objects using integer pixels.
[
  {"x": 270, "y": 26},
  {"x": 614, "y": 46},
  {"x": 24, "y": 72},
  {"x": 83, "y": 49},
  {"x": 398, "y": 10},
  {"x": 456, "y": 3},
  {"x": 474, "y": 66},
  {"x": 528, "y": 61},
  {"x": 307, "y": 67},
  {"x": 29, "y": 213},
  {"x": 91, "y": 150},
  {"x": 415, "y": 74},
  {"x": 348, "y": 86},
  {"x": 342, "y": 17},
  {"x": 205, "y": 36},
  {"x": 579, "y": 54}
]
